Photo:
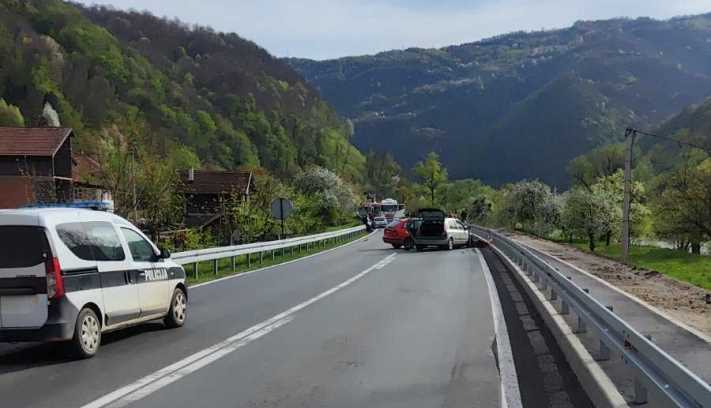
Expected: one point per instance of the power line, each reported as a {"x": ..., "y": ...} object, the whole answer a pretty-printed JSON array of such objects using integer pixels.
[
  {"x": 630, "y": 136},
  {"x": 628, "y": 131}
]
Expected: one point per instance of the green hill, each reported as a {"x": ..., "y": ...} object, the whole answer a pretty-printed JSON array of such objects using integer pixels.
[
  {"x": 223, "y": 96},
  {"x": 520, "y": 105}
]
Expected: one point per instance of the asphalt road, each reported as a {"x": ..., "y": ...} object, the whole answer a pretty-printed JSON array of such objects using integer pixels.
[{"x": 354, "y": 327}]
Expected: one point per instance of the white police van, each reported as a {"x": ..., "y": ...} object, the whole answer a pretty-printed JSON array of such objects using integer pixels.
[{"x": 72, "y": 274}]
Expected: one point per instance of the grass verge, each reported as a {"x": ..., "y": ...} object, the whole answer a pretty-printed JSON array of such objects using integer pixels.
[
  {"x": 694, "y": 269},
  {"x": 206, "y": 273}
]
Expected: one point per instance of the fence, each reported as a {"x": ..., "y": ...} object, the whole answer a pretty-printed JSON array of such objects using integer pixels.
[
  {"x": 653, "y": 367},
  {"x": 260, "y": 249}
]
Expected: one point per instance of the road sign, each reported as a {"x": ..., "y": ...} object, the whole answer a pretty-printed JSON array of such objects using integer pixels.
[
  {"x": 236, "y": 237},
  {"x": 281, "y": 208}
]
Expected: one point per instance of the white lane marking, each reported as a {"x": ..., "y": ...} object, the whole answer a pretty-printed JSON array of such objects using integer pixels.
[
  {"x": 190, "y": 368},
  {"x": 167, "y": 375},
  {"x": 243, "y": 274},
  {"x": 510, "y": 393}
]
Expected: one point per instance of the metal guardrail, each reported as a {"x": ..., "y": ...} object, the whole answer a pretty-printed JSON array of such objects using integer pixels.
[
  {"x": 654, "y": 368},
  {"x": 271, "y": 248}
]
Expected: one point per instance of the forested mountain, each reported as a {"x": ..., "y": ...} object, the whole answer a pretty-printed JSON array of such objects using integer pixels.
[
  {"x": 520, "y": 105},
  {"x": 224, "y": 97},
  {"x": 691, "y": 127}
]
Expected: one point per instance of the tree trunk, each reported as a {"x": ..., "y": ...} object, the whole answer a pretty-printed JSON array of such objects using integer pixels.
[
  {"x": 591, "y": 241},
  {"x": 570, "y": 238},
  {"x": 696, "y": 248},
  {"x": 607, "y": 238}
]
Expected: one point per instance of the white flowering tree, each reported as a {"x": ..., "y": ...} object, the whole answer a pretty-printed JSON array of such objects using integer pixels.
[{"x": 333, "y": 198}]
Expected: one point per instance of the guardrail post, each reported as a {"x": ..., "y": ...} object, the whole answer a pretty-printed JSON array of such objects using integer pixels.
[
  {"x": 579, "y": 325},
  {"x": 261, "y": 257},
  {"x": 195, "y": 270},
  {"x": 603, "y": 353},
  {"x": 564, "y": 308},
  {"x": 273, "y": 255},
  {"x": 214, "y": 266},
  {"x": 234, "y": 264},
  {"x": 640, "y": 392},
  {"x": 249, "y": 260},
  {"x": 553, "y": 295}
]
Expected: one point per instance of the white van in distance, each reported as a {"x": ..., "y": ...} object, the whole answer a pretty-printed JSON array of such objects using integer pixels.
[{"x": 71, "y": 274}]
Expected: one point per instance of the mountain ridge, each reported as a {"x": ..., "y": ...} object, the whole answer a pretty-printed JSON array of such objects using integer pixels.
[
  {"x": 462, "y": 100},
  {"x": 222, "y": 96}
]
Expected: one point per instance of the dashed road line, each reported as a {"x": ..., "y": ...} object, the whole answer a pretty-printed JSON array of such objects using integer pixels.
[{"x": 168, "y": 375}]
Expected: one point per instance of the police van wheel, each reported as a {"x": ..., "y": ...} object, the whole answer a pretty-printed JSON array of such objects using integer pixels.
[
  {"x": 178, "y": 309},
  {"x": 87, "y": 334}
]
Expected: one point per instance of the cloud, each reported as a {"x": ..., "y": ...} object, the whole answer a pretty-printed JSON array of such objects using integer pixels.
[{"x": 332, "y": 28}]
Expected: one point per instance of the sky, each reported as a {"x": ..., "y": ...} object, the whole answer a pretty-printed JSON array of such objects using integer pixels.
[{"x": 323, "y": 29}]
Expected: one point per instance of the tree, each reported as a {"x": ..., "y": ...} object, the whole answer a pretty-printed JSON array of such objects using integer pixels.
[
  {"x": 612, "y": 188},
  {"x": 158, "y": 200},
  {"x": 479, "y": 209},
  {"x": 587, "y": 213},
  {"x": 382, "y": 174},
  {"x": 682, "y": 204},
  {"x": 336, "y": 200},
  {"x": 432, "y": 175},
  {"x": 10, "y": 115},
  {"x": 144, "y": 189},
  {"x": 531, "y": 204},
  {"x": 603, "y": 161},
  {"x": 458, "y": 195},
  {"x": 252, "y": 216}
]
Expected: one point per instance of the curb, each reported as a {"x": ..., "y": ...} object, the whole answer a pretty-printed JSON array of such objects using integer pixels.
[
  {"x": 510, "y": 392},
  {"x": 596, "y": 383}
]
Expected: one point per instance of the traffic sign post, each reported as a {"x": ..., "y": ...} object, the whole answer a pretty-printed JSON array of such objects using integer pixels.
[{"x": 281, "y": 209}]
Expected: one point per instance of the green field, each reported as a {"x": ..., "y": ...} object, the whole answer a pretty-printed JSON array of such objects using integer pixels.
[
  {"x": 694, "y": 269},
  {"x": 205, "y": 271}
]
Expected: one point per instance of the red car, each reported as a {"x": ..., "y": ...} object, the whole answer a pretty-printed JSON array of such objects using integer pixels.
[{"x": 397, "y": 235}]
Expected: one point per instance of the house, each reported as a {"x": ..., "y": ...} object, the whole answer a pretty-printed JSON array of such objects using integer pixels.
[
  {"x": 207, "y": 193},
  {"x": 37, "y": 168}
]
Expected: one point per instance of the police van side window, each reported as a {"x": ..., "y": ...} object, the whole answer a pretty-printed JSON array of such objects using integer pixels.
[
  {"x": 141, "y": 250},
  {"x": 92, "y": 241}
]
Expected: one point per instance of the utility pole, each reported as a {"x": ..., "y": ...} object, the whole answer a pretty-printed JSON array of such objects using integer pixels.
[{"x": 630, "y": 135}]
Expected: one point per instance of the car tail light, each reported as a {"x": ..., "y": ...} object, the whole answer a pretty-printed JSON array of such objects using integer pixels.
[{"x": 55, "y": 282}]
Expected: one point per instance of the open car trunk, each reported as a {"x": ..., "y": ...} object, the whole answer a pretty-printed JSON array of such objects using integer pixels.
[
  {"x": 432, "y": 223},
  {"x": 24, "y": 253}
]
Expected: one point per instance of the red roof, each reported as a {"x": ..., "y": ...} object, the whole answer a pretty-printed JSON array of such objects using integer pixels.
[
  {"x": 85, "y": 168},
  {"x": 216, "y": 182},
  {"x": 43, "y": 142}
]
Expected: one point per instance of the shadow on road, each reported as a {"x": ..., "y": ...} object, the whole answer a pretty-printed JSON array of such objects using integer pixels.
[{"x": 24, "y": 356}]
